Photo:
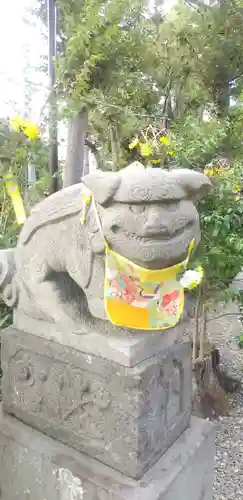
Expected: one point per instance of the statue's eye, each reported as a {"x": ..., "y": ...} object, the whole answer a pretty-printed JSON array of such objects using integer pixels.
[
  {"x": 172, "y": 206},
  {"x": 137, "y": 209},
  {"x": 115, "y": 228}
]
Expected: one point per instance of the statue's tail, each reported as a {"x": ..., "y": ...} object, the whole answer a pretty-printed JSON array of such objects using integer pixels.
[{"x": 8, "y": 287}]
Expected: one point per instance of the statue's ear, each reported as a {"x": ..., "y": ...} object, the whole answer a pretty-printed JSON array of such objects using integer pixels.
[
  {"x": 195, "y": 184},
  {"x": 103, "y": 185}
]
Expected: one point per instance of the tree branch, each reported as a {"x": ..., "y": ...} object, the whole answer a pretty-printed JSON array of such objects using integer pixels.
[
  {"x": 222, "y": 316},
  {"x": 198, "y": 4}
]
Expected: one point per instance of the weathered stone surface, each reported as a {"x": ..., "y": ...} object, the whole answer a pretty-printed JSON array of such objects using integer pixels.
[
  {"x": 124, "y": 417},
  {"x": 126, "y": 349},
  {"x": 35, "y": 467},
  {"x": 148, "y": 216},
  {"x": 7, "y": 270}
]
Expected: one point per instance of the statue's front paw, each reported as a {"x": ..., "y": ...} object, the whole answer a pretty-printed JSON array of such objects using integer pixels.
[
  {"x": 67, "y": 323},
  {"x": 80, "y": 331},
  {"x": 76, "y": 327},
  {"x": 97, "y": 309}
]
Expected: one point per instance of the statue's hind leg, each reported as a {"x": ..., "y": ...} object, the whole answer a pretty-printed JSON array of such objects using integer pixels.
[
  {"x": 41, "y": 296},
  {"x": 48, "y": 300},
  {"x": 95, "y": 290}
]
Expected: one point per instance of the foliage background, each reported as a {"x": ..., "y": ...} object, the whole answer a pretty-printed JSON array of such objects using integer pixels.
[
  {"x": 133, "y": 70},
  {"x": 17, "y": 150}
]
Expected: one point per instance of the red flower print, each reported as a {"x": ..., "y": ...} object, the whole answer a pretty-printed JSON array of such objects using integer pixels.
[{"x": 170, "y": 297}]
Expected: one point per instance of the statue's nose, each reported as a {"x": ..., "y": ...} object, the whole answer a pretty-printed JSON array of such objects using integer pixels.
[{"x": 155, "y": 225}]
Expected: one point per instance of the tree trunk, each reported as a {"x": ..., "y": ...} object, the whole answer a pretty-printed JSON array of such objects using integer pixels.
[
  {"x": 74, "y": 166},
  {"x": 86, "y": 160},
  {"x": 223, "y": 105},
  {"x": 115, "y": 148}
]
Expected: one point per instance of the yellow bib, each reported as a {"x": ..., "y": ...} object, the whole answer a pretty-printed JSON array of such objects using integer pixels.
[{"x": 141, "y": 298}]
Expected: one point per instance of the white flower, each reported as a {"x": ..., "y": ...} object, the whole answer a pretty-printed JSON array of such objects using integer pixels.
[{"x": 191, "y": 278}]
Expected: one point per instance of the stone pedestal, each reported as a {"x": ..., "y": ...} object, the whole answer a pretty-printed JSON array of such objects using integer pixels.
[
  {"x": 122, "y": 428},
  {"x": 124, "y": 416},
  {"x": 36, "y": 467}
]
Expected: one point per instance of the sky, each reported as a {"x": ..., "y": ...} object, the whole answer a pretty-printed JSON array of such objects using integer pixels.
[{"x": 22, "y": 46}]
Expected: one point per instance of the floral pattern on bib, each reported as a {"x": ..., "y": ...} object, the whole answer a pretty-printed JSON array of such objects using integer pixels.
[{"x": 133, "y": 300}]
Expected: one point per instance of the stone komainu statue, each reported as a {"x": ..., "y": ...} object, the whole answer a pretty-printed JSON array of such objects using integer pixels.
[{"x": 56, "y": 272}]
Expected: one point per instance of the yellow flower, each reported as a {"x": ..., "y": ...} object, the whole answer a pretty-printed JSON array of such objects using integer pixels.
[
  {"x": 145, "y": 149},
  {"x": 217, "y": 170},
  {"x": 237, "y": 188},
  {"x": 171, "y": 153},
  {"x": 134, "y": 144},
  {"x": 155, "y": 162},
  {"x": 17, "y": 123},
  {"x": 214, "y": 171},
  {"x": 31, "y": 130},
  {"x": 209, "y": 171},
  {"x": 164, "y": 140}
]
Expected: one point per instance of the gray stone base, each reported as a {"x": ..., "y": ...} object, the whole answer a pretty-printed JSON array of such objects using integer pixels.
[
  {"x": 125, "y": 417},
  {"x": 102, "y": 339},
  {"x": 36, "y": 467}
]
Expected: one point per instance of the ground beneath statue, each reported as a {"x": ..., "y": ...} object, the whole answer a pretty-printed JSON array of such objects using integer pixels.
[{"x": 228, "y": 476}]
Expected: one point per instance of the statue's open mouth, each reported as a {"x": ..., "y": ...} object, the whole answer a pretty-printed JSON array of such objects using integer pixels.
[{"x": 161, "y": 236}]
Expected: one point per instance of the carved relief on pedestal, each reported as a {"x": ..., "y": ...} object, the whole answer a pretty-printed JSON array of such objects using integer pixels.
[
  {"x": 60, "y": 393},
  {"x": 122, "y": 416},
  {"x": 174, "y": 405},
  {"x": 166, "y": 402},
  {"x": 67, "y": 395}
]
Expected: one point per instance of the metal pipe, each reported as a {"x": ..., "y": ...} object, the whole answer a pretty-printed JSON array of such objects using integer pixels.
[{"x": 53, "y": 132}]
